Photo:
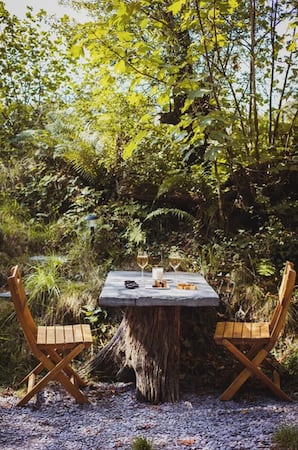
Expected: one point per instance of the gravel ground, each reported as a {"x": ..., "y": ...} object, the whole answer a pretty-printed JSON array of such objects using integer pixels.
[{"x": 114, "y": 418}]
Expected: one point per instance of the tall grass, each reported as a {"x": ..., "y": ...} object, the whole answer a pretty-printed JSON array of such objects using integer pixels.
[
  {"x": 43, "y": 285},
  {"x": 286, "y": 437}
]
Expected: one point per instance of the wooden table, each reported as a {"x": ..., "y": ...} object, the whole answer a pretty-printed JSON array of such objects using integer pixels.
[{"x": 150, "y": 327}]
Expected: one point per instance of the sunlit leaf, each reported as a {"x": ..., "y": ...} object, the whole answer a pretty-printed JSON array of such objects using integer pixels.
[
  {"x": 125, "y": 35},
  {"x": 265, "y": 267},
  {"x": 163, "y": 99},
  {"x": 129, "y": 149},
  {"x": 175, "y": 8},
  {"x": 77, "y": 50},
  {"x": 120, "y": 66},
  {"x": 233, "y": 4},
  {"x": 212, "y": 152},
  {"x": 292, "y": 46},
  {"x": 199, "y": 93}
]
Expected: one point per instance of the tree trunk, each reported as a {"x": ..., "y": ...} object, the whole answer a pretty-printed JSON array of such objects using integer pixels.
[
  {"x": 147, "y": 344},
  {"x": 253, "y": 109}
]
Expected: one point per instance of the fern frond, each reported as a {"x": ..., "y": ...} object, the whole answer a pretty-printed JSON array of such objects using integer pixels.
[
  {"x": 265, "y": 267},
  {"x": 83, "y": 161},
  {"x": 179, "y": 213},
  {"x": 134, "y": 233},
  {"x": 171, "y": 183}
]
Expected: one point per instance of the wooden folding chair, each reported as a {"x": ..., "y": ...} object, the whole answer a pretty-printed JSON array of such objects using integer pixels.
[
  {"x": 250, "y": 343},
  {"x": 53, "y": 346}
]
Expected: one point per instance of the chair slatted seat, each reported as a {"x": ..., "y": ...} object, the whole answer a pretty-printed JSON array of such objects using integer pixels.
[
  {"x": 241, "y": 331},
  {"x": 53, "y": 346},
  {"x": 250, "y": 343}
]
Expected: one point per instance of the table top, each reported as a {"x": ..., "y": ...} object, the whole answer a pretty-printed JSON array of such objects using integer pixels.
[{"x": 114, "y": 292}]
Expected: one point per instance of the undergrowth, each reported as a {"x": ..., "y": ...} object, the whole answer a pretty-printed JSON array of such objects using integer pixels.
[
  {"x": 286, "y": 437},
  {"x": 141, "y": 443}
]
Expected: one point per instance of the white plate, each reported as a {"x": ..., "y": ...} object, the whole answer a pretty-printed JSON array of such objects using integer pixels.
[{"x": 155, "y": 288}]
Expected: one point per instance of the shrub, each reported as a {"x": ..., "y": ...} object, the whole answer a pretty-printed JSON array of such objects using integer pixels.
[
  {"x": 286, "y": 437},
  {"x": 291, "y": 360},
  {"x": 141, "y": 443}
]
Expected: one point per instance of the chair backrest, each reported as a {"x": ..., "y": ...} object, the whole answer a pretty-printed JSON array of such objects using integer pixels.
[
  {"x": 21, "y": 306},
  {"x": 284, "y": 298}
]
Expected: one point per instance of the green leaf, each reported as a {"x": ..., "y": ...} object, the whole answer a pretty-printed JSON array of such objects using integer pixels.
[
  {"x": 199, "y": 93},
  {"x": 77, "y": 50},
  {"x": 233, "y": 4},
  {"x": 265, "y": 267},
  {"x": 292, "y": 46},
  {"x": 206, "y": 121},
  {"x": 120, "y": 66},
  {"x": 125, "y": 36},
  {"x": 176, "y": 7},
  {"x": 99, "y": 32},
  {"x": 129, "y": 149},
  {"x": 163, "y": 99},
  {"x": 179, "y": 213},
  {"x": 212, "y": 152},
  {"x": 122, "y": 9}
]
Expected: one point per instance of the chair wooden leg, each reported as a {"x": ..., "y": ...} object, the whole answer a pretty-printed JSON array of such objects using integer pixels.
[
  {"x": 68, "y": 369},
  {"x": 31, "y": 382},
  {"x": 276, "y": 378},
  {"x": 55, "y": 372},
  {"x": 38, "y": 369},
  {"x": 253, "y": 351},
  {"x": 252, "y": 367},
  {"x": 250, "y": 354},
  {"x": 55, "y": 357}
]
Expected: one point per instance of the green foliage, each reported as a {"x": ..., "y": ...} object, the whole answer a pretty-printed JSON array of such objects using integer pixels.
[
  {"x": 44, "y": 284},
  {"x": 176, "y": 124},
  {"x": 119, "y": 231},
  {"x": 120, "y": 38},
  {"x": 291, "y": 359},
  {"x": 286, "y": 436},
  {"x": 265, "y": 267},
  {"x": 125, "y": 82},
  {"x": 31, "y": 73},
  {"x": 93, "y": 315},
  {"x": 15, "y": 360},
  {"x": 19, "y": 233},
  {"x": 141, "y": 443},
  {"x": 160, "y": 212}
]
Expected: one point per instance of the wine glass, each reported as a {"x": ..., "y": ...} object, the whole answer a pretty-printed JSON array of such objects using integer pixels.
[
  {"x": 174, "y": 260},
  {"x": 142, "y": 261}
]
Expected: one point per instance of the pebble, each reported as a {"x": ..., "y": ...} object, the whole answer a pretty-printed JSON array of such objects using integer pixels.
[{"x": 115, "y": 418}]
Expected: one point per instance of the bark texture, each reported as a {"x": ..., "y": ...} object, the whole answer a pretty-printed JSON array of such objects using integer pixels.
[{"x": 146, "y": 345}]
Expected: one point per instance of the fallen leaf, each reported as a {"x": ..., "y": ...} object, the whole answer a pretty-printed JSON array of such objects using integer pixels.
[{"x": 187, "y": 441}]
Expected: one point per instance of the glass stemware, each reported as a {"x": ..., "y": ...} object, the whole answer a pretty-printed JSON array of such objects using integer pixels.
[
  {"x": 174, "y": 260},
  {"x": 142, "y": 261}
]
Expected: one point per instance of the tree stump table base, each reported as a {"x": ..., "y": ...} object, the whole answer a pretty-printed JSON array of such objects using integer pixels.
[
  {"x": 147, "y": 342},
  {"x": 156, "y": 366}
]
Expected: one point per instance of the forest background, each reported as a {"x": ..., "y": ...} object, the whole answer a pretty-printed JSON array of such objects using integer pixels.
[{"x": 175, "y": 122}]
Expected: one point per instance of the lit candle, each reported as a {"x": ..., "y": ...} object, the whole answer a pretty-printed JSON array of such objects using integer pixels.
[{"x": 157, "y": 273}]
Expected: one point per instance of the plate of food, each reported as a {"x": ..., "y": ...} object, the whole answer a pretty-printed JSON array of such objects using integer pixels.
[
  {"x": 186, "y": 286},
  {"x": 160, "y": 284}
]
